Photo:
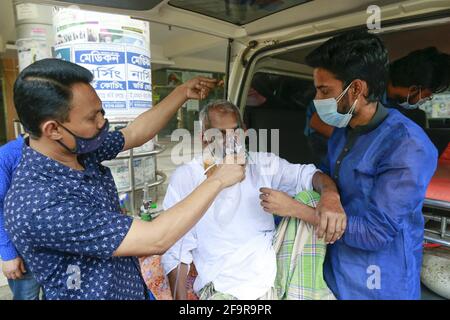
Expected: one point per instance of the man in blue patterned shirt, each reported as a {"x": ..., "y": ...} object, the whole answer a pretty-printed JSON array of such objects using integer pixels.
[{"x": 62, "y": 209}]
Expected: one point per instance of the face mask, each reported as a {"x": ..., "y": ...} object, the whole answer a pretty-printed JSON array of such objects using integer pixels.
[
  {"x": 327, "y": 111},
  {"x": 231, "y": 143},
  {"x": 86, "y": 145},
  {"x": 407, "y": 106},
  {"x": 421, "y": 101}
]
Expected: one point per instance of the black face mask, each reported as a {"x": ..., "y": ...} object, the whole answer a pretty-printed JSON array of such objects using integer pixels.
[{"x": 87, "y": 145}]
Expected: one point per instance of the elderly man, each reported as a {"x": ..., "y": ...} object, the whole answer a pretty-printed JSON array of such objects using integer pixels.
[{"x": 233, "y": 245}]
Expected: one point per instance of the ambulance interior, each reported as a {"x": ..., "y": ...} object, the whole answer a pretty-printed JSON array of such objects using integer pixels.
[{"x": 287, "y": 84}]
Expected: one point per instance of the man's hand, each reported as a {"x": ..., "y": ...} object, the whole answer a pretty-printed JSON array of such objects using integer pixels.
[
  {"x": 333, "y": 220},
  {"x": 277, "y": 202},
  {"x": 231, "y": 172},
  {"x": 149, "y": 123},
  {"x": 14, "y": 269},
  {"x": 282, "y": 204},
  {"x": 199, "y": 87}
]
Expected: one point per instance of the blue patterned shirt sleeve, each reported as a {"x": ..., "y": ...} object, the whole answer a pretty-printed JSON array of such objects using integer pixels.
[{"x": 10, "y": 155}]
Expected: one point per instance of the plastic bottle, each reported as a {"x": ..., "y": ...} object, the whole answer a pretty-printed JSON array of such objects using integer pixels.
[
  {"x": 124, "y": 203},
  {"x": 147, "y": 204}
]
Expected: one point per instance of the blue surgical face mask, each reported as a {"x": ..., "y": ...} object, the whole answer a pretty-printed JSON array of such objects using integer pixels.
[
  {"x": 86, "y": 145},
  {"x": 327, "y": 111},
  {"x": 421, "y": 101}
]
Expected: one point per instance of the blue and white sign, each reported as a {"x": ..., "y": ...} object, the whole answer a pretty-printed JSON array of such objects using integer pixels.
[
  {"x": 109, "y": 69},
  {"x": 116, "y": 50},
  {"x": 64, "y": 53},
  {"x": 139, "y": 79}
]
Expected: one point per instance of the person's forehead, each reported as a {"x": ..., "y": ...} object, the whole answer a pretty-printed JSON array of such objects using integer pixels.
[
  {"x": 84, "y": 98},
  {"x": 223, "y": 120},
  {"x": 325, "y": 78}
]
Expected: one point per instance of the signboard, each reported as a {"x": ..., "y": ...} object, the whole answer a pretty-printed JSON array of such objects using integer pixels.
[
  {"x": 109, "y": 70},
  {"x": 26, "y": 11},
  {"x": 441, "y": 106},
  {"x": 116, "y": 50},
  {"x": 31, "y": 50},
  {"x": 139, "y": 83}
]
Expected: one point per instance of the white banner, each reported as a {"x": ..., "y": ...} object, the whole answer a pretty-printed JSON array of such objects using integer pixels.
[{"x": 116, "y": 50}]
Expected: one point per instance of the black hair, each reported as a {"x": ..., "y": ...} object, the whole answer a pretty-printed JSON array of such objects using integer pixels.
[
  {"x": 354, "y": 55},
  {"x": 42, "y": 91},
  {"x": 427, "y": 68}
]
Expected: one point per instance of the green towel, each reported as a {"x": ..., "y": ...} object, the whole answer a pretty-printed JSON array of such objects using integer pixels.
[{"x": 300, "y": 258}]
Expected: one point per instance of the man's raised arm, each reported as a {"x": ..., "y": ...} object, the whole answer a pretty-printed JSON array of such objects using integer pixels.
[{"x": 148, "y": 124}]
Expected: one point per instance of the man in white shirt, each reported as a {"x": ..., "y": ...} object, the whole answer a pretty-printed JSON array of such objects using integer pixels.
[{"x": 232, "y": 245}]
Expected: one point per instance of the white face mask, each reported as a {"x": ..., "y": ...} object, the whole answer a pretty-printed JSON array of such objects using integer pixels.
[
  {"x": 421, "y": 101},
  {"x": 327, "y": 111},
  {"x": 218, "y": 149}
]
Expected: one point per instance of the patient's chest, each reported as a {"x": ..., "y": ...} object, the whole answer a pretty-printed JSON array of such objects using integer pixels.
[{"x": 249, "y": 219}]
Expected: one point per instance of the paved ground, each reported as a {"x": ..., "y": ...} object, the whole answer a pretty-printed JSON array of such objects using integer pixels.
[{"x": 5, "y": 293}]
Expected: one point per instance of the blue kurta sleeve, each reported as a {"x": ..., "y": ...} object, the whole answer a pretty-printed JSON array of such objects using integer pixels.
[
  {"x": 400, "y": 183},
  {"x": 324, "y": 165}
]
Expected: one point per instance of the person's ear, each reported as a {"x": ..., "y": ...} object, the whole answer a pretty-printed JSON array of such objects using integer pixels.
[
  {"x": 358, "y": 88},
  {"x": 51, "y": 130}
]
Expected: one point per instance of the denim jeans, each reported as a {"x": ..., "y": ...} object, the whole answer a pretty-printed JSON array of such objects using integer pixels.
[
  {"x": 26, "y": 288},
  {"x": 151, "y": 296}
]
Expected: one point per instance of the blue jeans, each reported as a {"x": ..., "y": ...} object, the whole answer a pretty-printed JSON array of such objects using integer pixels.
[
  {"x": 26, "y": 288},
  {"x": 150, "y": 295}
]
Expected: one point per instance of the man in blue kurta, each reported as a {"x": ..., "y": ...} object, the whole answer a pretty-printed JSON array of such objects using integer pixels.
[{"x": 382, "y": 163}]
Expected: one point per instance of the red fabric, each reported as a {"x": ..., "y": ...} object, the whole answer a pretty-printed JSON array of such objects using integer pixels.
[
  {"x": 439, "y": 188},
  {"x": 446, "y": 154},
  {"x": 158, "y": 283}
]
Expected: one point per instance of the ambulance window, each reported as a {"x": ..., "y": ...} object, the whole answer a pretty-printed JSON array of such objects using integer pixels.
[
  {"x": 281, "y": 102},
  {"x": 238, "y": 12},
  {"x": 119, "y": 4}
]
